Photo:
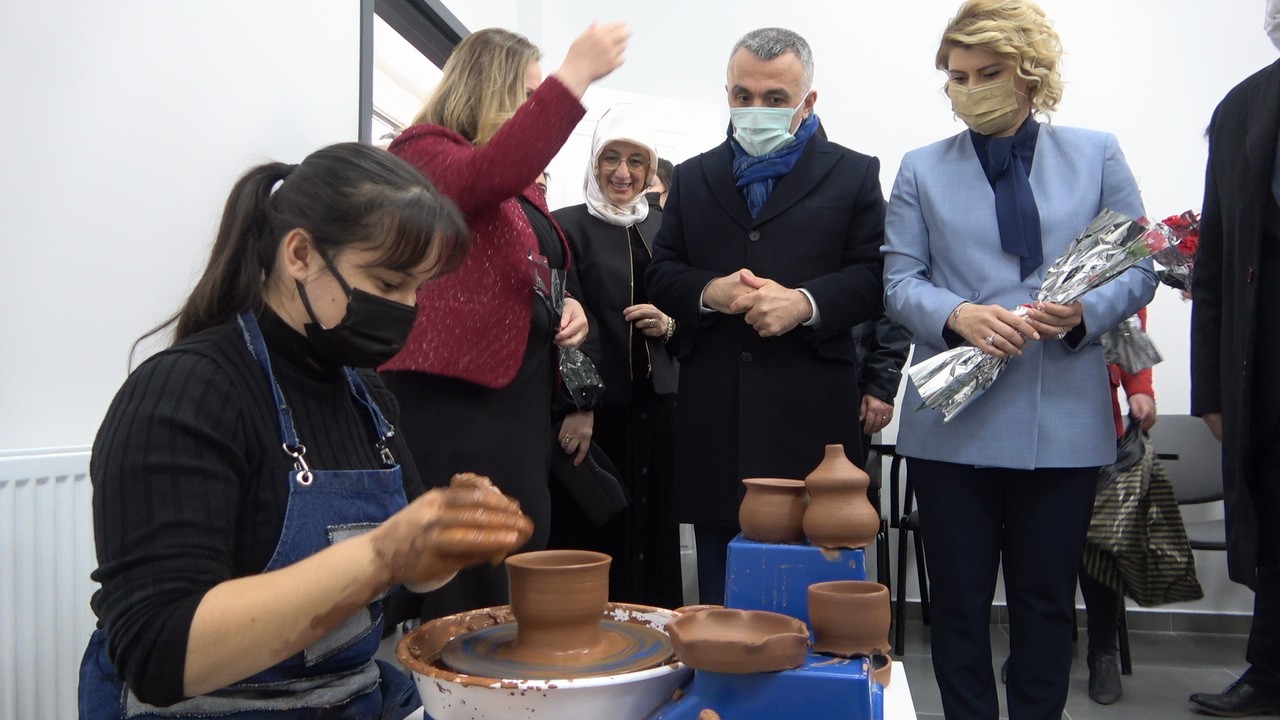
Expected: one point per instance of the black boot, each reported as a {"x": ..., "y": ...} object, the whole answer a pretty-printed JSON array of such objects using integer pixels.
[
  {"x": 1241, "y": 698},
  {"x": 1104, "y": 676}
]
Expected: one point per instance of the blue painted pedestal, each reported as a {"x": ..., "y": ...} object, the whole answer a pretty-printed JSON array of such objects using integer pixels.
[
  {"x": 765, "y": 576},
  {"x": 773, "y": 577}
]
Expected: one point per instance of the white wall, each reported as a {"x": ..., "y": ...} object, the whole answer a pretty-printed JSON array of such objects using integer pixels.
[{"x": 125, "y": 125}]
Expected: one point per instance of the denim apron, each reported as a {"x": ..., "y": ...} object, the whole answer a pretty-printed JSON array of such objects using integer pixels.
[{"x": 336, "y": 677}]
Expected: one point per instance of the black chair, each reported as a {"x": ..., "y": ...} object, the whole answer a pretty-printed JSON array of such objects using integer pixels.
[
  {"x": 1192, "y": 458},
  {"x": 906, "y": 520},
  {"x": 876, "y": 452}
]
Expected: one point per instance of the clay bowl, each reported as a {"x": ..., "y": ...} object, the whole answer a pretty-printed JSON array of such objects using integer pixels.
[
  {"x": 849, "y": 617},
  {"x": 738, "y": 641},
  {"x": 448, "y": 695}
]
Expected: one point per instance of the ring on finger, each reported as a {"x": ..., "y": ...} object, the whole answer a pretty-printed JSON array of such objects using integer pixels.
[{"x": 991, "y": 339}]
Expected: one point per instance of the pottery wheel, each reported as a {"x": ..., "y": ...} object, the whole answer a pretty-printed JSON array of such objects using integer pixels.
[{"x": 624, "y": 647}]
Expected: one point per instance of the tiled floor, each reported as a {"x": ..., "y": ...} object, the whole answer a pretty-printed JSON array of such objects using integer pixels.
[{"x": 1167, "y": 667}]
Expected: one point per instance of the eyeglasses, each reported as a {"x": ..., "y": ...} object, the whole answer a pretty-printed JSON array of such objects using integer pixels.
[{"x": 635, "y": 163}]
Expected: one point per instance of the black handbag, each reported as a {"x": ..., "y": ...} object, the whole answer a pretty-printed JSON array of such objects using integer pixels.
[{"x": 594, "y": 484}]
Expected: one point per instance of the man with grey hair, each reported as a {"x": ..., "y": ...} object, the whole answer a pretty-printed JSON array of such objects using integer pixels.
[{"x": 769, "y": 254}]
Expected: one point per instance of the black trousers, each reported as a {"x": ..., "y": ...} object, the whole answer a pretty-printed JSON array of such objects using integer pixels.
[
  {"x": 1102, "y": 607},
  {"x": 1263, "y": 649},
  {"x": 1031, "y": 523}
]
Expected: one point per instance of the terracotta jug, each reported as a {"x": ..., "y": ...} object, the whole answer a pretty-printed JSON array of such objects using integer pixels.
[
  {"x": 772, "y": 511},
  {"x": 558, "y": 598},
  {"x": 849, "y": 617},
  {"x": 840, "y": 515}
]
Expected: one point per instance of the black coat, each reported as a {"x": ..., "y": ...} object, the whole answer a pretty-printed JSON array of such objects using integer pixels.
[
  {"x": 602, "y": 278},
  {"x": 749, "y": 406},
  {"x": 883, "y": 346},
  {"x": 1224, "y": 317}
]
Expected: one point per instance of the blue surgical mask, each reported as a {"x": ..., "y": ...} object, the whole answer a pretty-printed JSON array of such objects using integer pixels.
[{"x": 761, "y": 130}]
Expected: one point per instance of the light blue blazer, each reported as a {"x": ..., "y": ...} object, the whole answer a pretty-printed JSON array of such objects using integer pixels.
[{"x": 1052, "y": 405}]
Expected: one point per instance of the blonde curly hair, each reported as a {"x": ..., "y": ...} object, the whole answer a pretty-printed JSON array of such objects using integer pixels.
[{"x": 1019, "y": 33}]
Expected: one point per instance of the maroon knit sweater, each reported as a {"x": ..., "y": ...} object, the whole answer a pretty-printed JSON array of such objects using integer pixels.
[{"x": 473, "y": 324}]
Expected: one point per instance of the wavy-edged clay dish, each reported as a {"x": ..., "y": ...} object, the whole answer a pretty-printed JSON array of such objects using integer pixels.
[{"x": 738, "y": 641}]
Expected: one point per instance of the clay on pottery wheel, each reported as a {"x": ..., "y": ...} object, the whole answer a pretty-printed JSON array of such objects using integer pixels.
[
  {"x": 839, "y": 513},
  {"x": 738, "y": 641},
  {"x": 557, "y": 597},
  {"x": 849, "y": 617},
  {"x": 772, "y": 511},
  {"x": 451, "y": 695}
]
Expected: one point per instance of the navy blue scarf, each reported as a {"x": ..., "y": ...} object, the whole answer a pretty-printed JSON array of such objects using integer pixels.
[
  {"x": 757, "y": 175},
  {"x": 1007, "y": 164}
]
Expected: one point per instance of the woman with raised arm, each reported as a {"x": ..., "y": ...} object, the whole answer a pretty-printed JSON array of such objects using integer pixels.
[{"x": 476, "y": 377}]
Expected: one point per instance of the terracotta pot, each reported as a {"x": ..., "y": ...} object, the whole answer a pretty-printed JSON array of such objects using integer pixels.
[
  {"x": 849, "y": 617},
  {"x": 557, "y": 598},
  {"x": 772, "y": 511},
  {"x": 840, "y": 515}
]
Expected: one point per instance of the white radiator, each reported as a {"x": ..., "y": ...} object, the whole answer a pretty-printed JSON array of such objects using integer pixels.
[{"x": 46, "y": 555}]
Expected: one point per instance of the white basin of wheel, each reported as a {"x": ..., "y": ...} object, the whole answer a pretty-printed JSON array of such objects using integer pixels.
[{"x": 447, "y": 695}]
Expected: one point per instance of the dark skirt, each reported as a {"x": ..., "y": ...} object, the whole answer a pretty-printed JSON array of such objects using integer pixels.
[{"x": 455, "y": 426}]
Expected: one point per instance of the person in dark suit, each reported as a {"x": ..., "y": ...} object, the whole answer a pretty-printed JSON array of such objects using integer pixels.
[
  {"x": 1235, "y": 359},
  {"x": 767, "y": 257}
]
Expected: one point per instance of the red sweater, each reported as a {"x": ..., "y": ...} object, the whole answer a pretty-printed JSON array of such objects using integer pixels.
[
  {"x": 1139, "y": 383},
  {"x": 473, "y": 324}
]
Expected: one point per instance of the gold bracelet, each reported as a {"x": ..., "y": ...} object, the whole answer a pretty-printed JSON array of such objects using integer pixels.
[{"x": 671, "y": 329}]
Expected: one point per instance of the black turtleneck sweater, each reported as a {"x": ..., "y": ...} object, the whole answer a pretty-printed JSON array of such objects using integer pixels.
[{"x": 191, "y": 484}]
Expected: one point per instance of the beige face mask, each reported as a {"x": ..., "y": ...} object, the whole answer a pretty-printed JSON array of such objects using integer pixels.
[{"x": 987, "y": 109}]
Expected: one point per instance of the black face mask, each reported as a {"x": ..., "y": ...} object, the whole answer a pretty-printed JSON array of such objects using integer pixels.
[{"x": 371, "y": 332}]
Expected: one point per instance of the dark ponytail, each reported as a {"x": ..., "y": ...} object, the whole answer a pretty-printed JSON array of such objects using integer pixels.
[
  {"x": 242, "y": 256},
  {"x": 343, "y": 195}
]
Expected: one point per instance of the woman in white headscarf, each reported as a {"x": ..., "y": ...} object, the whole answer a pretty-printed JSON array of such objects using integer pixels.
[{"x": 610, "y": 236}]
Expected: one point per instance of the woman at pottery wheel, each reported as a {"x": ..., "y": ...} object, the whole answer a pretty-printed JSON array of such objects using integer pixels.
[{"x": 253, "y": 502}]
